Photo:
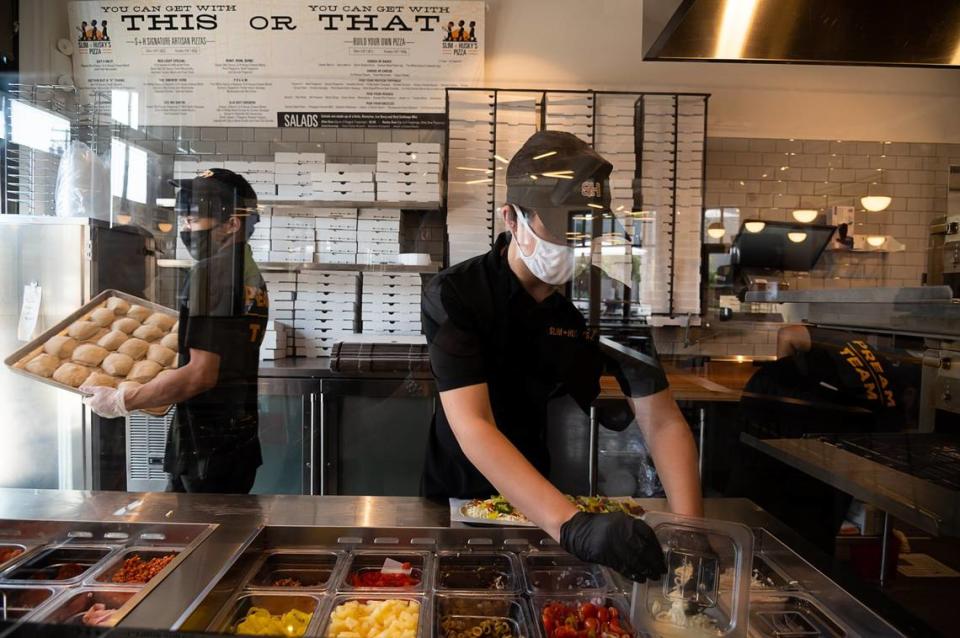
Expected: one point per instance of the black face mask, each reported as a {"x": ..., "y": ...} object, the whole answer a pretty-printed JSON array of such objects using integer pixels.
[{"x": 199, "y": 243}]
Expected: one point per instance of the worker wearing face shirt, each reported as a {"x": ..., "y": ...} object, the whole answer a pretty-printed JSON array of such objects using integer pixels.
[{"x": 503, "y": 340}]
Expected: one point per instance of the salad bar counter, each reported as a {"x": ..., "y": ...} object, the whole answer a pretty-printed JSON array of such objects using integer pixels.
[{"x": 343, "y": 567}]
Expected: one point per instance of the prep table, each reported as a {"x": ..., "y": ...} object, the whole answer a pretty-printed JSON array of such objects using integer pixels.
[{"x": 218, "y": 537}]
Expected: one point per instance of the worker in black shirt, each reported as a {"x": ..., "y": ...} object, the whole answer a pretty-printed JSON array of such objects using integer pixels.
[
  {"x": 213, "y": 444},
  {"x": 502, "y": 341}
]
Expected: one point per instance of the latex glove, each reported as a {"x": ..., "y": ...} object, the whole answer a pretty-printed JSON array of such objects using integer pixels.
[
  {"x": 618, "y": 541},
  {"x": 107, "y": 402}
]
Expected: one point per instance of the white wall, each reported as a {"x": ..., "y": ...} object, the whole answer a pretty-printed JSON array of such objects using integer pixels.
[{"x": 596, "y": 44}]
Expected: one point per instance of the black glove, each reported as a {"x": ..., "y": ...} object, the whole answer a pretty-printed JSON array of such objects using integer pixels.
[{"x": 618, "y": 541}]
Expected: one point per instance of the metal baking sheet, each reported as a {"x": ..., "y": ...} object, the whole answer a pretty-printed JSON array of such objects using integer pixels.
[{"x": 18, "y": 359}]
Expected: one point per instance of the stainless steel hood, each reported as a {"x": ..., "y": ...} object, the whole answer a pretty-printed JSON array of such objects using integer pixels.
[{"x": 864, "y": 32}]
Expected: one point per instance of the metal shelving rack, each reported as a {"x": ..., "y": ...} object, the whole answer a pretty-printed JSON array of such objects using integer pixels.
[{"x": 663, "y": 230}]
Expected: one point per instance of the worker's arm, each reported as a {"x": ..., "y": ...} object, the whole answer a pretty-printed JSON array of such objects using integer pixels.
[
  {"x": 674, "y": 452},
  {"x": 196, "y": 377},
  {"x": 471, "y": 418}
]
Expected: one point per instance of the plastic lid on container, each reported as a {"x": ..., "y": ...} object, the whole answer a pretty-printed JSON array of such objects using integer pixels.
[{"x": 705, "y": 591}]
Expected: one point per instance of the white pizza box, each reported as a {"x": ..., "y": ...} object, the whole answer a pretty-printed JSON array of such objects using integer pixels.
[
  {"x": 293, "y": 191},
  {"x": 293, "y": 245},
  {"x": 259, "y": 245},
  {"x": 321, "y": 189},
  {"x": 342, "y": 224},
  {"x": 280, "y": 295},
  {"x": 282, "y": 305},
  {"x": 300, "y": 158},
  {"x": 342, "y": 176},
  {"x": 322, "y": 288},
  {"x": 335, "y": 258},
  {"x": 426, "y": 157},
  {"x": 265, "y": 193},
  {"x": 295, "y": 169},
  {"x": 349, "y": 168},
  {"x": 378, "y": 259},
  {"x": 408, "y": 147},
  {"x": 327, "y": 324},
  {"x": 391, "y": 225},
  {"x": 378, "y": 235},
  {"x": 399, "y": 166},
  {"x": 389, "y": 179},
  {"x": 336, "y": 246},
  {"x": 290, "y": 179},
  {"x": 420, "y": 188},
  {"x": 345, "y": 236},
  {"x": 251, "y": 168},
  {"x": 260, "y": 256},
  {"x": 314, "y": 315},
  {"x": 341, "y": 307},
  {"x": 282, "y": 315},
  {"x": 309, "y": 278},
  {"x": 285, "y": 221},
  {"x": 295, "y": 234},
  {"x": 332, "y": 213},
  {"x": 385, "y": 297},
  {"x": 413, "y": 197},
  {"x": 379, "y": 213},
  {"x": 349, "y": 196},
  {"x": 378, "y": 248},
  {"x": 279, "y": 277},
  {"x": 393, "y": 278},
  {"x": 290, "y": 257},
  {"x": 373, "y": 316}
]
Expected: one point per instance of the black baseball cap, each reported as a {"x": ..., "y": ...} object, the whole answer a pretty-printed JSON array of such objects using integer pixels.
[
  {"x": 555, "y": 174},
  {"x": 218, "y": 193}
]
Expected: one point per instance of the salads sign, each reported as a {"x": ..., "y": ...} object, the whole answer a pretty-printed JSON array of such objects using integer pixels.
[{"x": 280, "y": 62}]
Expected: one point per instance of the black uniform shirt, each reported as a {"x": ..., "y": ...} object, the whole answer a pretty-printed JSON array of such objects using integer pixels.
[
  {"x": 483, "y": 327},
  {"x": 223, "y": 309}
]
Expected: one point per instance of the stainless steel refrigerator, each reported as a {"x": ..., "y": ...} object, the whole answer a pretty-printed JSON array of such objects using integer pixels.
[{"x": 47, "y": 438}]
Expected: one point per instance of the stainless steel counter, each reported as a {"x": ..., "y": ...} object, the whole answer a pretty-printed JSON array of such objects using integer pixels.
[{"x": 240, "y": 522}]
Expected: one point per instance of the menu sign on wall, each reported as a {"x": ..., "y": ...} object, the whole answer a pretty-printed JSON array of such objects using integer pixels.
[{"x": 281, "y": 62}]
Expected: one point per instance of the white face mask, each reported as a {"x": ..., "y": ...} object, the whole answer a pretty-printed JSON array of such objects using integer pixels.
[{"x": 550, "y": 263}]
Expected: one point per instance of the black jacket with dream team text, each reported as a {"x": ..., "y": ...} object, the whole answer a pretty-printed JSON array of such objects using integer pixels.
[
  {"x": 223, "y": 309},
  {"x": 483, "y": 327}
]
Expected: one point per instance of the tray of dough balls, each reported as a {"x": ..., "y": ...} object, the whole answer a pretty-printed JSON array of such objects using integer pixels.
[{"x": 114, "y": 340}]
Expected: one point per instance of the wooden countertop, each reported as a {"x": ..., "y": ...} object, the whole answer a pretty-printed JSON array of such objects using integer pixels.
[{"x": 720, "y": 381}]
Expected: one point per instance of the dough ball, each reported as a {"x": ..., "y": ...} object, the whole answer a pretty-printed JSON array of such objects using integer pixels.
[
  {"x": 144, "y": 371},
  {"x": 126, "y": 325},
  {"x": 99, "y": 378},
  {"x": 82, "y": 330},
  {"x": 128, "y": 385},
  {"x": 43, "y": 365},
  {"x": 160, "y": 320},
  {"x": 71, "y": 374},
  {"x": 112, "y": 340},
  {"x": 118, "y": 305},
  {"x": 60, "y": 346},
  {"x": 103, "y": 317},
  {"x": 134, "y": 348},
  {"x": 148, "y": 333},
  {"x": 161, "y": 354},
  {"x": 118, "y": 364},
  {"x": 139, "y": 313},
  {"x": 170, "y": 341},
  {"x": 89, "y": 354},
  {"x": 101, "y": 333}
]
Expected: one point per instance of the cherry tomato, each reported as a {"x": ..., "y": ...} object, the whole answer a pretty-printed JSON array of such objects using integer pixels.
[
  {"x": 591, "y": 623},
  {"x": 613, "y": 612},
  {"x": 548, "y": 624},
  {"x": 588, "y": 610},
  {"x": 602, "y": 614}
]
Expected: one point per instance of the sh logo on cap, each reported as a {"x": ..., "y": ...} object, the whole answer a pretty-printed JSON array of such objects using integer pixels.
[{"x": 591, "y": 188}]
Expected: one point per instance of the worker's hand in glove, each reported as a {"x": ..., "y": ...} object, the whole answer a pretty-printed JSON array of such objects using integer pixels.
[
  {"x": 107, "y": 402},
  {"x": 618, "y": 541}
]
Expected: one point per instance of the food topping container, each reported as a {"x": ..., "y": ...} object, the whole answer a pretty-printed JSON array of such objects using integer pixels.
[
  {"x": 385, "y": 571},
  {"x": 549, "y": 572},
  {"x": 295, "y": 570},
  {"x": 705, "y": 591},
  {"x": 17, "y": 602},
  {"x": 376, "y": 616},
  {"x": 566, "y": 616},
  {"x": 10, "y": 552},
  {"x": 271, "y": 615},
  {"x": 477, "y": 571},
  {"x": 136, "y": 566},
  {"x": 90, "y": 607},
  {"x": 793, "y": 616},
  {"x": 59, "y": 565},
  {"x": 476, "y": 617}
]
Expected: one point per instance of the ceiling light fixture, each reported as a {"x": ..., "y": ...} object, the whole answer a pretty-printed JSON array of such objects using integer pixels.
[
  {"x": 797, "y": 237},
  {"x": 123, "y": 218},
  {"x": 164, "y": 227},
  {"x": 595, "y": 206},
  {"x": 754, "y": 226},
  {"x": 876, "y": 240},
  {"x": 716, "y": 230},
  {"x": 805, "y": 215},
  {"x": 876, "y": 203},
  {"x": 470, "y": 168},
  {"x": 543, "y": 155},
  {"x": 558, "y": 175},
  {"x": 734, "y": 28}
]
